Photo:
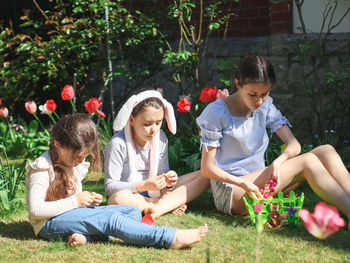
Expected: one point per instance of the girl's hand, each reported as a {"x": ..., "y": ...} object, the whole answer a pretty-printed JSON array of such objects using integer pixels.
[
  {"x": 249, "y": 187},
  {"x": 170, "y": 178},
  {"x": 274, "y": 172},
  {"x": 97, "y": 199},
  {"x": 85, "y": 199},
  {"x": 155, "y": 183}
]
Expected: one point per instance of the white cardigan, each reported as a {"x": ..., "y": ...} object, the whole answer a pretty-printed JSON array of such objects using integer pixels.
[{"x": 39, "y": 176}]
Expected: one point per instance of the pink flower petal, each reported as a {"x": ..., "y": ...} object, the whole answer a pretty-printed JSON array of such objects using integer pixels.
[{"x": 323, "y": 222}]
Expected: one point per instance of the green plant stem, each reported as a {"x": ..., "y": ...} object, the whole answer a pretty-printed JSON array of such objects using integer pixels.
[
  {"x": 257, "y": 247},
  {"x": 259, "y": 229},
  {"x": 56, "y": 115},
  {"x": 73, "y": 106},
  {"x": 195, "y": 122},
  {"x": 41, "y": 124},
  {"x": 10, "y": 131},
  {"x": 52, "y": 118}
]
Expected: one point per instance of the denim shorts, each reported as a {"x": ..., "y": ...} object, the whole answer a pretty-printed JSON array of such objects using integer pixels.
[{"x": 145, "y": 194}]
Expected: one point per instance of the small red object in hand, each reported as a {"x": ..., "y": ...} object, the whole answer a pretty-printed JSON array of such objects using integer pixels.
[{"x": 147, "y": 219}]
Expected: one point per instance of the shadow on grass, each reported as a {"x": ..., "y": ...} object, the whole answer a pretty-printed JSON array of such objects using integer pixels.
[
  {"x": 339, "y": 240},
  {"x": 204, "y": 206},
  {"x": 20, "y": 230}
]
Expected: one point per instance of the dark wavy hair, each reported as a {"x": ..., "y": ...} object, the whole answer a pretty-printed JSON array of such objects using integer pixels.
[
  {"x": 255, "y": 69},
  {"x": 76, "y": 132}
]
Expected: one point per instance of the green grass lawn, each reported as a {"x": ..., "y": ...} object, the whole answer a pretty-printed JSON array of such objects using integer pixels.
[{"x": 230, "y": 239}]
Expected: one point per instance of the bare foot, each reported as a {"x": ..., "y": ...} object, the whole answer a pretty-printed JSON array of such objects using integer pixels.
[
  {"x": 180, "y": 210},
  {"x": 76, "y": 240},
  {"x": 184, "y": 238}
]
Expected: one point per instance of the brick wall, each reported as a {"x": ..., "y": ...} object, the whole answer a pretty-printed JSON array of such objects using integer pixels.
[{"x": 251, "y": 17}]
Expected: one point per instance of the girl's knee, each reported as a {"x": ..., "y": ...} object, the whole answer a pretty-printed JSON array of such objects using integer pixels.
[
  {"x": 323, "y": 149},
  {"x": 119, "y": 198},
  {"x": 309, "y": 159}
]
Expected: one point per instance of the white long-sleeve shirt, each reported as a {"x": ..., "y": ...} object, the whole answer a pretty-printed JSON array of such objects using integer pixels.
[
  {"x": 117, "y": 172},
  {"x": 40, "y": 174}
]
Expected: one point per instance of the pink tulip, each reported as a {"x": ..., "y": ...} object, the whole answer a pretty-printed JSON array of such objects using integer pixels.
[
  {"x": 4, "y": 112},
  {"x": 30, "y": 107},
  {"x": 221, "y": 94},
  {"x": 323, "y": 222},
  {"x": 67, "y": 92}
]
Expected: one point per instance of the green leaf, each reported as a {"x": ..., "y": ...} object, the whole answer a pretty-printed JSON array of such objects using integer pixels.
[
  {"x": 4, "y": 199},
  {"x": 213, "y": 26}
]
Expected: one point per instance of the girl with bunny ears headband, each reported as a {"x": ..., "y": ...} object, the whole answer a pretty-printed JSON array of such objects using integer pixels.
[{"x": 136, "y": 159}]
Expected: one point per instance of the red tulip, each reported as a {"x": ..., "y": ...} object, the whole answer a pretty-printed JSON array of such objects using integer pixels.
[
  {"x": 51, "y": 105},
  {"x": 67, "y": 92},
  {"x": 208, "y": 94},
  {"x": 4, "y": 112},
  {"x": 184, "y": 105},
  {"x": 92, "y": 106},
  {"x": 30, "y": 107},
  {"x": 323, "y": 222},
  {"x": 221, "y": 94},
  {"x": 0, "y": 101}
]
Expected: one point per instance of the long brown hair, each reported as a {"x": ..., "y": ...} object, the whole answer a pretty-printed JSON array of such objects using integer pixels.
[{"x": 78, "y": 133}]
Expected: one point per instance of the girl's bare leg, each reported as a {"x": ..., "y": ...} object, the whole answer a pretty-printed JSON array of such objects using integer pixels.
[
  {"x": 304, "y": 167},
  {"x": 334, "y": 165},
  {"x": 188, "y": 188},
  {"x": 126, "y": 197},
  {"x": 180, "y": 210},
  {"x": 184, "y": 238}
]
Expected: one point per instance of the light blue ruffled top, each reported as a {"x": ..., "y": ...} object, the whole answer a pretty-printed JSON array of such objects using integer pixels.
[{"x": 241, "y": 142}]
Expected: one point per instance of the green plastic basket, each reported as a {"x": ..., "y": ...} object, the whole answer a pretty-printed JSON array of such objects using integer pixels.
[{"x": 288, "y": 211}]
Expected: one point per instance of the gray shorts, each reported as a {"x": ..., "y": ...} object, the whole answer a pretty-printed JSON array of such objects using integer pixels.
[{"x": 222, "y": 193}]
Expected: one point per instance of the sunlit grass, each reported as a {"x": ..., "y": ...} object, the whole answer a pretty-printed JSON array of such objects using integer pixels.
[{"x": 230, "y": 239}]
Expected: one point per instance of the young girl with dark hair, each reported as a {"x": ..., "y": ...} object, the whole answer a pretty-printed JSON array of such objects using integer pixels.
[
  {"x": 58, "y": 208},
  {"x": 234, "y": 140},
  {"x": 136, "y": 159}
]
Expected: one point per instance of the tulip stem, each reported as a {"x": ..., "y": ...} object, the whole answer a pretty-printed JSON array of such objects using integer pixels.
[
  {"x": 41, "y": 124},
  {"x": 52, "y": 118},
  {"x": 10, "y": 131},
  {"x": 73, "y": 106},
  {"x": 195, "y": 122},
  {"x": 57, "y": 116}
]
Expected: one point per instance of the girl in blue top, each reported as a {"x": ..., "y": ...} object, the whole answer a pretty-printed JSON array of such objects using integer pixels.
[{"x": 234, "y": 140}]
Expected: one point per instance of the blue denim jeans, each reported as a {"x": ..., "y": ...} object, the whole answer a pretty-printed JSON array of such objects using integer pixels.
[{"x": 102, "y": 222}]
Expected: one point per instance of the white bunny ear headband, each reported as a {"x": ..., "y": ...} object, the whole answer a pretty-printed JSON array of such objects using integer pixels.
[
  {"x": 125, "y": 112},
  {"x": 122, "y": 121}
]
